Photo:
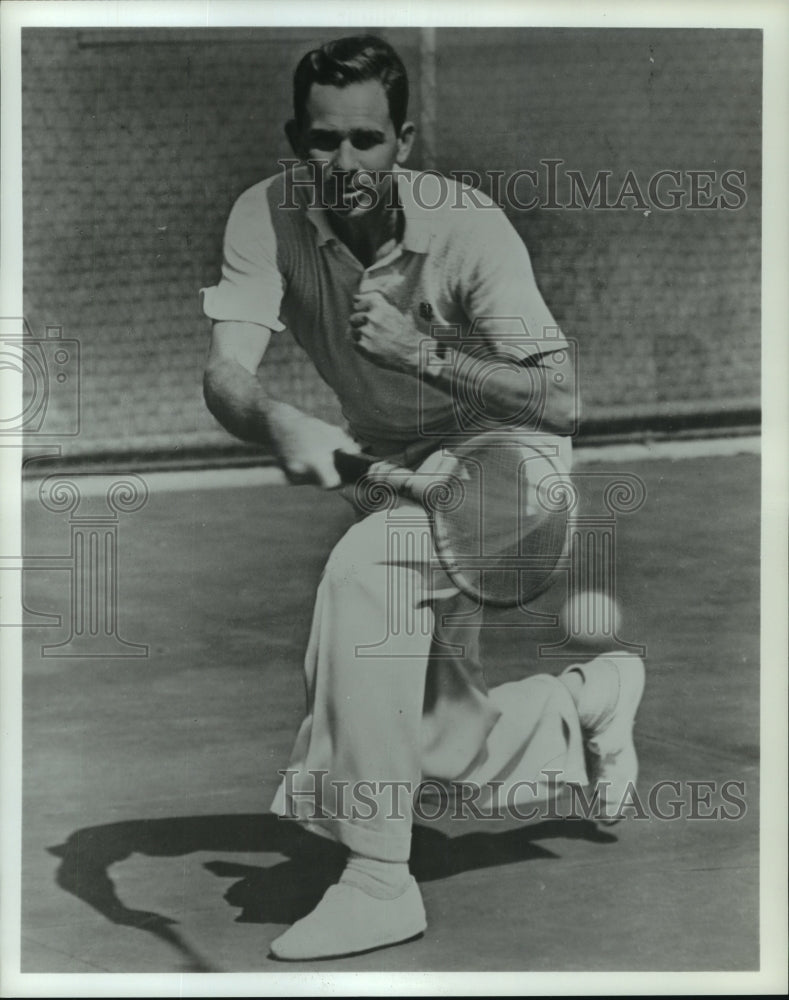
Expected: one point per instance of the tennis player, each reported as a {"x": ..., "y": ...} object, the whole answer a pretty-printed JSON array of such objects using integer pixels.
[{"x": 363, "y": 261}]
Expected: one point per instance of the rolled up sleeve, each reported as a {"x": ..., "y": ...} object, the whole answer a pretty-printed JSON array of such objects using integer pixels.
[{"x": 251, "y": 287}]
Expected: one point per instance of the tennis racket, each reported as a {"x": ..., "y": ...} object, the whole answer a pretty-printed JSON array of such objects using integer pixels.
[{"x": 497, "y": 508}]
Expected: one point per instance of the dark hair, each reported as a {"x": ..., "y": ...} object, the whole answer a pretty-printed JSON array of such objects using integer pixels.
[{"x": 354, "y": 59}]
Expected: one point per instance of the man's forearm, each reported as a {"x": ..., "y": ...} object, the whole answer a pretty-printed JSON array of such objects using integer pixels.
[
  {"x": 537, "y": 393},
  {"x": 240, "y": 403},
  {"x": 531, "y": 394}
]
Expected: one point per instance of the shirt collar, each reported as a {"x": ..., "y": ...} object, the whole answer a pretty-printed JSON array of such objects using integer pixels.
[{"x": 418, "y": 220}]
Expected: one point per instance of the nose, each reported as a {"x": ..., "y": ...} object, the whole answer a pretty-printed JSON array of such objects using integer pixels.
[{"x": 345, "y": 158}]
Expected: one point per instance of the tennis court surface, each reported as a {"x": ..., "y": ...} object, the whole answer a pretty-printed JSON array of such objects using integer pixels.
[{"x": 147, "y": 842}]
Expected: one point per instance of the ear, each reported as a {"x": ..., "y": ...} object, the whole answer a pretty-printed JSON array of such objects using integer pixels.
[
  {"x": 405, "y": 142},
  {"x": 293, "y": 133}
]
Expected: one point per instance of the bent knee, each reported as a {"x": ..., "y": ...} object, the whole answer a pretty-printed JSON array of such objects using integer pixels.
[
  {"x": 357, "y": 557},
  {"x": 371, "y": 557}
]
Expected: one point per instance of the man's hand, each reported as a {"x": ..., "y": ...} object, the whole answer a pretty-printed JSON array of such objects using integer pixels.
[
  {"x": 305, "y": 446},
  {"x": 383, "y": 334}
]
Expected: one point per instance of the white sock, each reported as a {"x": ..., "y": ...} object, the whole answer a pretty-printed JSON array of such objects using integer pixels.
[
  {"x": 381, "y": 879},
  {"x": 594, "y": 687}
]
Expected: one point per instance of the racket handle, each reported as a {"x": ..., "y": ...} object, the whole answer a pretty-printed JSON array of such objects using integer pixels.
[{"x": 353, "y": 466}]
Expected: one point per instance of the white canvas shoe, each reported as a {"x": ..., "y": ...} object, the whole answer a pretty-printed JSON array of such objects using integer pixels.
[
  {"x": 607, "y": 704},
  {"x": 348, "y": 921}
]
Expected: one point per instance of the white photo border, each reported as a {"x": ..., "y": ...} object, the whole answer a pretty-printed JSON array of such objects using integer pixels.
[{"x": 773, "y": 19}]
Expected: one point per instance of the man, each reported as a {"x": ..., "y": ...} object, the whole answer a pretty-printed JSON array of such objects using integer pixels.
[{"x": 362, "y": 260}]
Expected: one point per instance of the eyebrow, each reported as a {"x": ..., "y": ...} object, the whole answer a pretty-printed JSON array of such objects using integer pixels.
[{"x": 367, "y": 133}]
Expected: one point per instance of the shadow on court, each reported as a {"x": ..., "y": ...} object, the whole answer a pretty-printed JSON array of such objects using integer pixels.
[{"x": 283, "y": 892}]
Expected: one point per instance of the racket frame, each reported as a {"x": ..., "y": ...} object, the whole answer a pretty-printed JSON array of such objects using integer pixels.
[{"x": 416, "y": 486}]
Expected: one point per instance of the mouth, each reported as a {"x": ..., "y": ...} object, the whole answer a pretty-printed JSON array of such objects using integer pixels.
[
  {"x": 346, "y": 195},
  {"x": 353, "y": 198},
  {"x": 349, "y": 202}
]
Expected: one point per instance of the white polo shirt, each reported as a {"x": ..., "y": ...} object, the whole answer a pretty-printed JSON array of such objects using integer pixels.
[{"x": 461, "y": 273}]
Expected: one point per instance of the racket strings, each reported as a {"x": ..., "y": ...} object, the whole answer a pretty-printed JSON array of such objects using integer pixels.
[{"x": 502, "y": 541}]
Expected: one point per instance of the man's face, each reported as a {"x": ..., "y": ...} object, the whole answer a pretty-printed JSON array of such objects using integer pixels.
[{"x": 349, "y": 133}]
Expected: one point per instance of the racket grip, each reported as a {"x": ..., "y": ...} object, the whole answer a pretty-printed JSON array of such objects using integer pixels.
[
  {"x": 351, "y": 466},
  {"x": 354, "y": 466}
]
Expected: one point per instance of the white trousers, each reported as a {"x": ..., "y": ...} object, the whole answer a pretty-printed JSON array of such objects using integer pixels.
[{"x": 396, "y": 694}]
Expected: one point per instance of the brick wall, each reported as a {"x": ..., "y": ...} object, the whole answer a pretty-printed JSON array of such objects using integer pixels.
[{"x": 137, "y": 142}]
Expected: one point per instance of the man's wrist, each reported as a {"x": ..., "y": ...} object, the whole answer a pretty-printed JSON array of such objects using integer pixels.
[{"x": 279, "y": 419}]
